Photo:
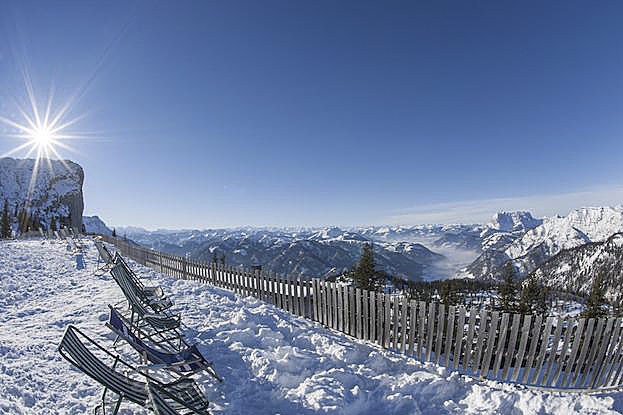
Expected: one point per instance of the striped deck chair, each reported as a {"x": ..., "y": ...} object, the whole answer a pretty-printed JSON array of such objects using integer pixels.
[
  {"x": 182, "y": 396},
  {"x": 185, "y": 362},
  {"x": 154, "y": 296},
  {"x": 165, "y": 326},
  {"x": 104, "y": 256}
]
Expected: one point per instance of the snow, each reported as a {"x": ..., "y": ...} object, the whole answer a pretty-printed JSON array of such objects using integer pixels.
[{"x": 271, "y": 361}]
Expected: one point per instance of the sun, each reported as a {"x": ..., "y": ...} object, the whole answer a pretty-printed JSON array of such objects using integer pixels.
[
  {"x": 43, "y": 137},
  {"x": 43, "y": 132}
]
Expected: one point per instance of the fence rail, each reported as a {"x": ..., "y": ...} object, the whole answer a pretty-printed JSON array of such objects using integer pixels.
[{"x": 570, "y": 354}]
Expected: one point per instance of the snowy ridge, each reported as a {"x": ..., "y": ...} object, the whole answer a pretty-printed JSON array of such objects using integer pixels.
[
  {"x": 575, "y": 269},
  {"x": 271, "y": 362}
]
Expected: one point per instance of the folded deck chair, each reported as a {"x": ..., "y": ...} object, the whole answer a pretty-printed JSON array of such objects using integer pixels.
[
  {"x": 104, "y": 256},
  {"x": 185, "y": 362},
  {"x": 154, "y": 296},
  {"x": 180, "y": 396},
  {"x": 165, "y": 326}
]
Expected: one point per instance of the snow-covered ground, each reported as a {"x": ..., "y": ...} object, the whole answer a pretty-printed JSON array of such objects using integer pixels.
[{"x": 272, "y": 363}]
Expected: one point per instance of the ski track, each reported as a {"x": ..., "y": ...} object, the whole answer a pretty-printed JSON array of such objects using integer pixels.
[{"x": 271, "y": 362}]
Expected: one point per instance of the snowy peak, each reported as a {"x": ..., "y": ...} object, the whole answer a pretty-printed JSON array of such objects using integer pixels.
[
  {"x": 513, "y": 221},
  {"x": 530, "y": 248},
  {"x": 581, "y": 226}
]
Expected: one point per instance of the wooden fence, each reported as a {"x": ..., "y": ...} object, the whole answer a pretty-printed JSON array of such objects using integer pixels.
[{"x": 570, "y": 354}]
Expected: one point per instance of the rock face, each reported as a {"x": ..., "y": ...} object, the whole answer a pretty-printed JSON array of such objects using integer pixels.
[
  {"x": 93, "y": 224},
  {"x": 53, "y": 191}
]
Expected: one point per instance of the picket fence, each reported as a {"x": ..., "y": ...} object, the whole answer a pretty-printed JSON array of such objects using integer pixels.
[{"x": 570, "y": 354}]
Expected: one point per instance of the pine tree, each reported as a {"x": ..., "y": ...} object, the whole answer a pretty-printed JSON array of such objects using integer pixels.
[
  {"x": 114, "y": 232},
  {"x": 364, "y": 272},
  {"x": 447, "y": 294},
  {"x": 529, "y": 296},
  {"x": 53, "y": 224},
  {"x": 542, "y": 300},
  {"x": 508, "y": 289},
  {"x": 596, "y": 299},
  {"x": 5, "y": 223}
]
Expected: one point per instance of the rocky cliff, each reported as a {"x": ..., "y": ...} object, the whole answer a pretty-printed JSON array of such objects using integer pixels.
[{"x": 53, "y": 190}]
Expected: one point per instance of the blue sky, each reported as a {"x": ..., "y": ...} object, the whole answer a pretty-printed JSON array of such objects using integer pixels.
[{"x": 286, "y": 113}]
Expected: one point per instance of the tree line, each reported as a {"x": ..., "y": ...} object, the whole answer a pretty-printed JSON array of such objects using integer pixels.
[
  {"x": 511, "y": 295},
  {"x": 20, "y": 219}
]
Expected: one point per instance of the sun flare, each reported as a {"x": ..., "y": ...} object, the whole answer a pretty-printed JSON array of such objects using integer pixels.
[{"x": 42, "y": 132}]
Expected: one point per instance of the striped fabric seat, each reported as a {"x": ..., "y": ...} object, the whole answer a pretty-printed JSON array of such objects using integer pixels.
[
  {"x": 181, "y": 395},
  {"x": 76, "y": 352},
  {"x": 153, "y": 296},
  {"x": 104, "y": 253},
  {"x": 184, "y": 362}
]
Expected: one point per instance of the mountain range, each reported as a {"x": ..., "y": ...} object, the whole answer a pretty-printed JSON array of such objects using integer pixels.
[{"x": 412, "y": 252}]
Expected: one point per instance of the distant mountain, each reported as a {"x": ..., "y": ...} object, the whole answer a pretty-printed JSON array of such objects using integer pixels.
[
  {"x": 45, "y": 190},
  {"x": 514, "y": 221},
  {"x": 528, "y": 248},
  {"x": 456, "y": 236},
  {"x": 313, "y": 252},
  {"x": 476, "y": 251},
  {"x": 93, "y": 224},
  {"x": 575, "y": 269}
]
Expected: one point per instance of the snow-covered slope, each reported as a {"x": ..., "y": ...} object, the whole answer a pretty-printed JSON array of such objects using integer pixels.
[
  {"x": 575, "y": 269},
  {"x": 56, "y": 190},
  {"x": 271, "y": 362},
  {"x": 93, "y": 224}
]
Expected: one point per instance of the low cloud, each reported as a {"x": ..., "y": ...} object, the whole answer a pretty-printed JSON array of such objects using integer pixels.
[{"x": 481, "y": 211}]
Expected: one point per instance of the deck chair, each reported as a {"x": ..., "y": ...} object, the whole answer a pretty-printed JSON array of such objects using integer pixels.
[
  {"x": 153, "y": 296},
  {"x": 104, "y": 256},
  {"x": 180, "y": 396},
  {"x": 165, "y": 326},
  {"x": 186, "y": 362}
]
